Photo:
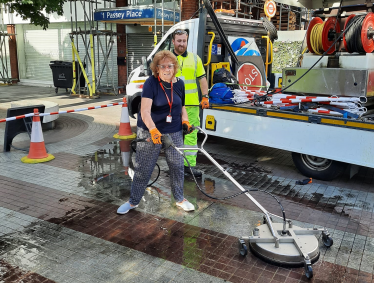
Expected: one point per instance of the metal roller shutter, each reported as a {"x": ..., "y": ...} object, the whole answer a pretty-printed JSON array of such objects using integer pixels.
[
  {"x": 4, "y": 59},
  {"x": 41, "y": 47},
  {"x": 54, "y": 44},
  {"x": 138, "y": 45}
]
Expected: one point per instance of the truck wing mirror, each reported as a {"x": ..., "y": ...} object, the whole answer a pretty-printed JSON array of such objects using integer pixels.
[{"x": 144, "y": 65}]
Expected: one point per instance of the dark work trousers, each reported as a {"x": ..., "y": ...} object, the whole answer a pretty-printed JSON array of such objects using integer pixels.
[{"x": 145, "y": 161}]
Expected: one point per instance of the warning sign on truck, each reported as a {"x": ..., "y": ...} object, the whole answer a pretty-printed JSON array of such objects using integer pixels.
[
  {"x": 216, "y": 49},
  {"x": 270, "y": 8},
  {"x": 249, "y": 76}
]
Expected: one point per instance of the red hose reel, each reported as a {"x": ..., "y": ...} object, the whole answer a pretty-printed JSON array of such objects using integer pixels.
[{"x": 332, "y": 27}]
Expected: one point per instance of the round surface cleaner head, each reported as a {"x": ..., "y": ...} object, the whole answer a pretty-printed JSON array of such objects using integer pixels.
[{"x": 288, "y": 254}]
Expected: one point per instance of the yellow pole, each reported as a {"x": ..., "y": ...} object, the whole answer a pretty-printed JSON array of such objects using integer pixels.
[
  {"x": 271, "y": 52},
  {"x": 210, "y": 48},
  {"x": 92, "y": 65},
  {"x": 74, "y": 71},
  {"x": 82, "y": 68},
  {"x": 267, "y": 55}
]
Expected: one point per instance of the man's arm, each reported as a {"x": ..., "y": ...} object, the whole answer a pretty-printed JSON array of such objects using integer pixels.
[
  {"x": 204, "y": 86},
  {"x": 204, "y": 92}
]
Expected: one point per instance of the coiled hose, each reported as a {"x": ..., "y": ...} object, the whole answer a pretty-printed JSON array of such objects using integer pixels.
[
  {"x": 353, "y": 35},
  {"x": 270, "y": 28},
  {"x": 316, "y": 38}
]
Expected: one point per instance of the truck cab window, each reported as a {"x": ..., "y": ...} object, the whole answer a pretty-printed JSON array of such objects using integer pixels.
[{"x": 166, "y": 44}]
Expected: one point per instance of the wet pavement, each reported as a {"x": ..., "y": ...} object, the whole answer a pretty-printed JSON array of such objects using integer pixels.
[{"x": 58, "y": 220}]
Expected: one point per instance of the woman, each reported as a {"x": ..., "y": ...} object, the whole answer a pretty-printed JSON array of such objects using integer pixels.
[{"x": 162, "y": 112}]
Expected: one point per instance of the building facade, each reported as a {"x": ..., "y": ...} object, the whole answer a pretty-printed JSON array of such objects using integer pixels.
[{"x": 118, "y": 44}]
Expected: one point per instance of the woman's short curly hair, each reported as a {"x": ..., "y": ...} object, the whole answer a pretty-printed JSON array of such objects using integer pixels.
[{"x": 161, "y": 55}]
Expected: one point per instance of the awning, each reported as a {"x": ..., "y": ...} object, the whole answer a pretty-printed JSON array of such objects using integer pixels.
[{"x": 136, "y": 15}]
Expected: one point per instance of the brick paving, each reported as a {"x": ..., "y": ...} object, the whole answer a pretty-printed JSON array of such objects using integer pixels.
[
  {"x": 9, "y": 273},
  {"x": 58, "y": 220},
  {"x": 196, "y": 248}
]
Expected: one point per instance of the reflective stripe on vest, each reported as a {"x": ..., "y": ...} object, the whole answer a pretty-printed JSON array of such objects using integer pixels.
[
  {"x": 189, "y": 73},
  {"x": 190, "y": 146},
  {"x": 190, "y": 153}
]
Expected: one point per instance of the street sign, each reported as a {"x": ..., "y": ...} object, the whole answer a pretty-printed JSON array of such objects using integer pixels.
[
  {"x": 248, "y": 74},
  {"x": 123, "y": 14},
  {"x": 270, "y": 8}
]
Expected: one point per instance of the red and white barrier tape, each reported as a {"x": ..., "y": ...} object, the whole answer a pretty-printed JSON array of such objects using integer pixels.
[
  {"x": 324, "y": 111},
  {"x": 59, "y": 112}
]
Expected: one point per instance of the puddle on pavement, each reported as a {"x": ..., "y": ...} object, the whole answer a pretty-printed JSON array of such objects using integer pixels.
[{"x": 106, "y": 176}]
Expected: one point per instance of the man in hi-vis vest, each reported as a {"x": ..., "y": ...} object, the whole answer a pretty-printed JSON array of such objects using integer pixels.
[{"x": 190, "y": 69}]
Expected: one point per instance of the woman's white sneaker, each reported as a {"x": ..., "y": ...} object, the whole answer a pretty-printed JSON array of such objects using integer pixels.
[{"x": 186, "y": 205}]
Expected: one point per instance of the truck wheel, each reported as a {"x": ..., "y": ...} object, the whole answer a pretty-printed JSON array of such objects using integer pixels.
[
  {"x": 133, "y": 104},
  {"x": 317, "y": 167}
]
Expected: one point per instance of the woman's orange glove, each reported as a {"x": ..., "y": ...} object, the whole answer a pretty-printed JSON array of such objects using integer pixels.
[
  {"x": 156, "y": 136},
  {"x": 187, "y": 128},
  {"x": 205, "y": 103}
]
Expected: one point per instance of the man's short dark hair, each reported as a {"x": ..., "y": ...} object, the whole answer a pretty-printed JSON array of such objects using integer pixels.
[{"x": 178, "y": 32}]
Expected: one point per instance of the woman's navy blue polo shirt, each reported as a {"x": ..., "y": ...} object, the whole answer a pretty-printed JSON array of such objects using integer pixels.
[{"x": 160, "y": 106}]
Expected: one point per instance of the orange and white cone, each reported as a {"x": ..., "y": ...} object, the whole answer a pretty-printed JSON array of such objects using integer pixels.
[
  {"x": 37, "y": 152},
  {"x": 125, "y": 132},
  {"x": 125, "y": 153}
]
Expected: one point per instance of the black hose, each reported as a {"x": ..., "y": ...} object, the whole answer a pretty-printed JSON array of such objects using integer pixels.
[
  {"x": 353, "y": 36},
  {"x": 232, "y": 196},
  {"x": 196, "y": 12},
  {"x": 281, "y": 206},
  {"x": 158, "y": 166},
  {"x": 197, "y": 185}
]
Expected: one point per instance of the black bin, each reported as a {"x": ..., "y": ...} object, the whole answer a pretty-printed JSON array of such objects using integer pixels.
[{"x": 62, "y": 72}]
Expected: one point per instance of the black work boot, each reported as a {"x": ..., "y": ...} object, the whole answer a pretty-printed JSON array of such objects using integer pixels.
[{"x": 196, "y": 172}]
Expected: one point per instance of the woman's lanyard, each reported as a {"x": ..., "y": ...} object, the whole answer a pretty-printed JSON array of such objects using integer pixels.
[{"x": 168, "y": 118}]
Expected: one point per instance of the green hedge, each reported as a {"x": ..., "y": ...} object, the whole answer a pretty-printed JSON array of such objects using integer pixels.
[{"x": 286, "y": 54}]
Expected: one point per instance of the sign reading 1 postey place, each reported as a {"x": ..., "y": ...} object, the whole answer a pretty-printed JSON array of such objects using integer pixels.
[
  {"x": 270, "y": 8},
  {"x": 141, "y": 14}
]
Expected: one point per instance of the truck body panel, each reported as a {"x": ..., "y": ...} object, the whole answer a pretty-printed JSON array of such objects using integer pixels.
[{"x": 328, "y": 137}]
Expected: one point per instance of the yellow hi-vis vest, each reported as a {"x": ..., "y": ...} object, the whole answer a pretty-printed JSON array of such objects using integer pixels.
[{"x": 190, "y": 67}]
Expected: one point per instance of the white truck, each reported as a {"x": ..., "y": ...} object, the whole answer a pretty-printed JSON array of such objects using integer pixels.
[{"x": 322, "y": 146}]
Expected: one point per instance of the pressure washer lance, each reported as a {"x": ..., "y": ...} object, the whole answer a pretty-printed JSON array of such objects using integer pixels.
[{"x": 167, "y": 141}]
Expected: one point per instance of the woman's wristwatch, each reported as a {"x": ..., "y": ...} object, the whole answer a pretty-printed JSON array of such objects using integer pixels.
[{"x": 206, "y": 95}]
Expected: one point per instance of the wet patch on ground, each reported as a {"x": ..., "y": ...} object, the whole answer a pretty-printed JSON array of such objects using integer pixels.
[
  {"x": 105, "y": 177},
  {"x": 9, "y": 273},
  {"x": 240, "y": 165},
  {"x": 19, "y": 252},
  {"x": 160, "y": 229}
]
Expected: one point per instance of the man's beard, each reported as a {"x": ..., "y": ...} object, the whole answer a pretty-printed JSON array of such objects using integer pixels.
[{"x": 181, "y": 49}]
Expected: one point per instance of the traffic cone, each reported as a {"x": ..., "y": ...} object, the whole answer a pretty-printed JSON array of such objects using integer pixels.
[
  {"x": 125, "y": 132},
  {"x": 37, "y": 152},
  {"x": 125, "y": 153}
]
